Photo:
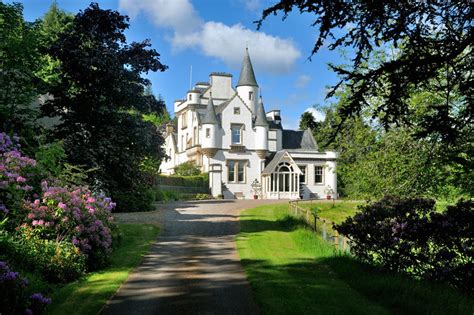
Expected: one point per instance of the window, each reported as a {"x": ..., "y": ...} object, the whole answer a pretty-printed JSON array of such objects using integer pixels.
[
  {"x": 182, "y": 143},
  {"x": 195, "y": 136},
  {"x": 184, "y": 121},
  {"x": 236, "y": 171},
  {"x": 208, "y": 132},
  {"x": 318, "y": 174},
  {"x": 303, "y": 174},
  {"x": 189, "y": 97},
  {"x": 236, "y": 110},
  {"x": 250, "y": 95},
  {"x": 236, "y": 131}
]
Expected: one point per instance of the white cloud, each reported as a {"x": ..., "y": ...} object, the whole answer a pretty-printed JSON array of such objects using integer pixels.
[
  {"x": 252, "y": 5},
  {"x": 302, "y": 81},
  {"x": 317, "y": 114},
  {"x": 270, "y": 54},
  {"x": 179, "y": 15}
]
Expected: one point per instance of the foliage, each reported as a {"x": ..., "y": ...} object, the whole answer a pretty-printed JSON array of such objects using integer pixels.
[
  {"x": 408, "y": 235},
  {"x": 55, "y": 261},
  {"x": 139, "y": 199},
  {"x": 99, "y": 98},
  {"x": 202, "y": 196},
  {"x": 19, "y": 59},
  {"x": 14, "y": 298},
  {"x": 50, "y": 158},
  {"x": 307, "y": 121},
  {"x": 428, "y": 39},
  {"x": 294, "y": 271},
  {"x": 186, "y": 181},
  {"x": 15, "y": 170},
  {"x": 76, "y": 215},
  {"x": 187, "y": 169}
]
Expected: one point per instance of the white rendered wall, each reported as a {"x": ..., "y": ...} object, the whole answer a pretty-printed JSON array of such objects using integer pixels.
[
  {"x": 261, "y": 138},
  {"x": 243, "y": 92},
  {"x": 244, "y": 118}
]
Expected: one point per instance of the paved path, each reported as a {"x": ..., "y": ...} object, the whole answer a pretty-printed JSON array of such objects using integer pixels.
[{"x": 193, "y": 268}]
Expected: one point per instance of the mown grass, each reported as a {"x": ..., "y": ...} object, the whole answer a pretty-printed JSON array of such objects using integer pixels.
[
  {"x": 294, "y": 271},
  {"x": 334, "y": 211},
  {"x": 89, "y": 295}
]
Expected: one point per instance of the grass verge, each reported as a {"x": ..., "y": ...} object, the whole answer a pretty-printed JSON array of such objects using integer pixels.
[
  {"x": 336, "y": 211},
  {"x": 89, "y": 295},
  {"x": 292, "y": 270}
]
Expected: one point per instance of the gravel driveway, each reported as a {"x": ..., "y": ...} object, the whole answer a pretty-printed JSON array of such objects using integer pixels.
[{"x": 193, "y": 268}]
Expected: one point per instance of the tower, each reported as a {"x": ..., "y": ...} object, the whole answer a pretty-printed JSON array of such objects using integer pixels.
[
  {"x": 261, "y": 131},
  {"x": 210, "y": 129},
  {"x": 247, "y": 87}
]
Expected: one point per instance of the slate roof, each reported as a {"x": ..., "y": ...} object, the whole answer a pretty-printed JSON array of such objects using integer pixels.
[
  {"x": 270, "y": 168},
  {"x": 261, "y": 119},
  {"x": 247, "y": 76},
  {"x": 210, "y": 116},
  {"x": 295, "y": 139}
]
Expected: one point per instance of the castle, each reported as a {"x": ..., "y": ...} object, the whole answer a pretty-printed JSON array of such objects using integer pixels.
[{"x": 248, "y": 154}]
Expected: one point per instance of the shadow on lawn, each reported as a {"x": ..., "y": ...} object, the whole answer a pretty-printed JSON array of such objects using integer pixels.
[{"x": 340, "y": 284}]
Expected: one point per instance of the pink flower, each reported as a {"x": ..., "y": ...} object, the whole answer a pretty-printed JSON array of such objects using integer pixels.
[
  {"x": 20, "y": 179},
  {"x": 35, "y": 222},
  {"x": 62, "y": 205}
]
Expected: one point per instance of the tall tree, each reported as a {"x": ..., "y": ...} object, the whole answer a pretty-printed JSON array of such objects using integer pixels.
[
  {"x": 428, "y": 39},
  {"x": 307, "y": 121},
  {"x": 19, "y": 60},
  {"x": 100, "y": 99}
]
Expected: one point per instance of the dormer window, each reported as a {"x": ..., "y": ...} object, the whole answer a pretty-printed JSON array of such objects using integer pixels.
[{"x": 250, "y": 95}]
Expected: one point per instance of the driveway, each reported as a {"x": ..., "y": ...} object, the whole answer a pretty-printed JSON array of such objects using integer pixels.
[{"x": 193, "y": 268}]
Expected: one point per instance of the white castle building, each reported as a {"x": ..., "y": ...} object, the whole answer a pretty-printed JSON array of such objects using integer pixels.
[{"x": 247, "y": 152}]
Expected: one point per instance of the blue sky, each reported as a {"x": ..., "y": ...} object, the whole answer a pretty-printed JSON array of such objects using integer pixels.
[{"x": 211, "y": 35}]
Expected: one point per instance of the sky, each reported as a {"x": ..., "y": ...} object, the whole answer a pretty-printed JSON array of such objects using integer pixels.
[{"x": 211, "y": 35}]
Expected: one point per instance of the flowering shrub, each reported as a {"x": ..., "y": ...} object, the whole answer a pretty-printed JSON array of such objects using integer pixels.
[
  {"x": 14, "y": 172},
  {"x": 54, "y": 261},
  {"x": 76, "y": 215},
  {"x": 14, "y": 299},
  {"x": 408, "y": 235}
]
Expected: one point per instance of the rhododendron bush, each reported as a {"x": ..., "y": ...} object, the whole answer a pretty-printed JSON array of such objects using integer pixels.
[
  {"x": 63, "y": 228},
  {"x": 76, "y": 215},
  {"x": 411, "y": 236}
]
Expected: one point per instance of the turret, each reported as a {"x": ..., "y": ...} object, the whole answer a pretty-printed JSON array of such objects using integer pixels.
[
  {"x": 261, "y": 131},
  {"x": 210, "y": 130},
  {"x": 247, "y": 87}
]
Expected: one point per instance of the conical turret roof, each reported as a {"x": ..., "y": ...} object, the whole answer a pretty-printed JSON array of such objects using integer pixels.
[
  {"x": 261, "y": 119},
  {"x": 247, "y": 76},
  {"x": 210, "y": 117}
]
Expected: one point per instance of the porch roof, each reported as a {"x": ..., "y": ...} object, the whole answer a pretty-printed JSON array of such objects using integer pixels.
[{"x": 277, "y": 159}]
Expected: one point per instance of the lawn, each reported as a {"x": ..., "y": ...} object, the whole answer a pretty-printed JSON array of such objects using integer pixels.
[
  {"x": 335, "y": 211},
  {"x": 292, "y": 270},
  {"x": 89, "y": 295}
]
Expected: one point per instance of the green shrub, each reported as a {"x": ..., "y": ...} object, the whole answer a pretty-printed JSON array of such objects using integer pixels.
[
  {"x": 187, "y": 181},
  {"x": 166, "y": 196},
  {"x": 202, "y": 196},
  {"x": 409, "y": 235},
  {"x": 140, "y": 199},
  {"x": 187, "y": 169},
  {"x": 55, "y": 261}
]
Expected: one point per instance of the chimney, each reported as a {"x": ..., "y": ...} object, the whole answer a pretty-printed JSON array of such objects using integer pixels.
[{"x": 169, "y": 128}]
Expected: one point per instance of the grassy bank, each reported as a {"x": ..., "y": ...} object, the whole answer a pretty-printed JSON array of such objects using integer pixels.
[
  {"x": 336, "y": 211},
  {"x": 88, "y": 295},
  {"x": 291, "y": 270}
]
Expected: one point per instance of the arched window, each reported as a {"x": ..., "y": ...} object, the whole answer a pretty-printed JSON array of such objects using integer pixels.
[{"x": 284, "y": 173}]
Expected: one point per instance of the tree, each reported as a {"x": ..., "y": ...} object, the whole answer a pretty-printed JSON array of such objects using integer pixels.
[
  {"x": 428, "y": 39},
  {"x": 100, "y": 98},
  {"x": 307, "y": 121},
  {"x": 19, "y": 59}
]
